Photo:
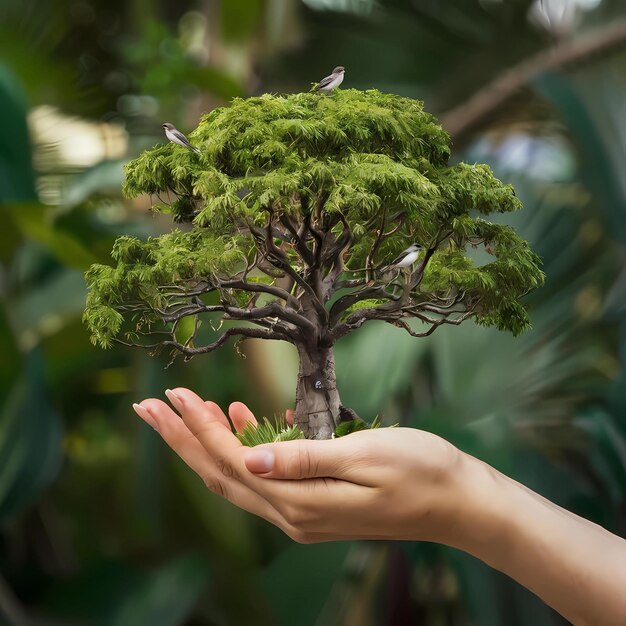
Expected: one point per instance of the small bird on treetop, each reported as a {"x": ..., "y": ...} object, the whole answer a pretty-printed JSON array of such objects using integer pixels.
[
  {"x": 405, "y": 259},
  {"x": 175, "y": 136},
  {"x": 327, "y": 84}
]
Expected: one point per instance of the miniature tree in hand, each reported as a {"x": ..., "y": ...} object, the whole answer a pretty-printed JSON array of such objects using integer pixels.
[{"x": 297, "y": 204}]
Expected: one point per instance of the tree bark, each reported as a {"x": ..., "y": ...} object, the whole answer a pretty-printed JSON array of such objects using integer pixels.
[{"x": 318, "y": 407}]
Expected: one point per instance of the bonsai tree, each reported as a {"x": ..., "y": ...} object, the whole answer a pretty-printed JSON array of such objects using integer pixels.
[{"x": 290, "y": 214}]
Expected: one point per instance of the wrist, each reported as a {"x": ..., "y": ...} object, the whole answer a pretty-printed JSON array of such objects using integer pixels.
[
  {"x": 478, "y": 509},
  {"x": 575, "y": 566}
]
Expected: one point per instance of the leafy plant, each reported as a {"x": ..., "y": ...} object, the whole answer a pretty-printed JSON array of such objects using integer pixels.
[
  {"x": 268, "y": 432},
  {"x": 298, "y": 203}
]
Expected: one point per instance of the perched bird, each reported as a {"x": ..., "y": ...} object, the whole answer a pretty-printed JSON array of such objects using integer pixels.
[
  {"x": 175, "y": 136},
  {"x": 326, "y": 85},
  {"x": 405, "y": 259}
]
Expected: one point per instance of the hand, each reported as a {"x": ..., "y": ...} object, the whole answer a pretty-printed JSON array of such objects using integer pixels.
[
  {"x": 400, "y": 483},
  {"x": 388, "y": 483}
]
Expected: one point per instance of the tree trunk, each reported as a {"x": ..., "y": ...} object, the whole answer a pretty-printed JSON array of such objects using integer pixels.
[{"x": 318, "y": 406}]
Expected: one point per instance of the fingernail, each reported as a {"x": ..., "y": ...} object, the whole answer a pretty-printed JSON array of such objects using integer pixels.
[
  {"x": 144, "y": 414},
  {"x": 260, "y": 461},
  {"x": 174, "y": 399}
]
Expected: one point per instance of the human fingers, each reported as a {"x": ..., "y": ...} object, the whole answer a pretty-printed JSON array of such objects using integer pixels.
[
  {"x": 241, "y": 415},
  {"x": 217, "y": 412},
  {"x": 304, "y": 458},
  {"x": 227, "y": 453},
  {"x": 206, "y": 425},
  {"x": 309, "y": 505},
  {"x": 290, "y": 416},
  {"x": 175, "y": 433}
]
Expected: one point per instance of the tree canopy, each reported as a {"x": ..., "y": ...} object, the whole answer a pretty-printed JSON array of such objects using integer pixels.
[{"x": 295, "y": 204}]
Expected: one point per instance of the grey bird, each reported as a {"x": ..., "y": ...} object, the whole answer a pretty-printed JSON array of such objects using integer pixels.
[
  {"x": 175, "y": 136},
  {"x": 327, "y": 84},
  {"x": 406, "y": 258}
]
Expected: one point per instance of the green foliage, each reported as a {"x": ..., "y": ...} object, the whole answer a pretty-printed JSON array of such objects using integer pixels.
[
  {"x": 353, "y": 426},
  {"x": 30, "y": 440},
  {"x": 160, "y": 58},
  {"x": 497, "y": 284},
  {"x": 144, "y": 268},
  {"x": 359, "y": 146},
  {"x": 147, "y": 508},
  {"x": 17, "y": 182},
  {"x": 363, "y": 160},
  {"x": 268, "y": 432}
]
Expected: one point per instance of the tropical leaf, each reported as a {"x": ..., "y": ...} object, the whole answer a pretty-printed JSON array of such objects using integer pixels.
[
  {"x": 30, "y": 440},
  {"x": 17, "y": 183}
]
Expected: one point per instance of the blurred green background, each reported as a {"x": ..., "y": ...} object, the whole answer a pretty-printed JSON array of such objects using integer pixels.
[{"x": 99, "y": 523}]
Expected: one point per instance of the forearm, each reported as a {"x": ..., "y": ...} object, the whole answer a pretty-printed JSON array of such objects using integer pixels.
[
  {"x": 575, "y": 566},
  {"x": 392, "y": 483}
]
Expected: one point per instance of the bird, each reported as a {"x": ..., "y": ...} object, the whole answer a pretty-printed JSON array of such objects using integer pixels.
[
  {"x": 406, "y": 258},
  {"x": 327, "y": 84},
  {"x": 175, "y": 136}
]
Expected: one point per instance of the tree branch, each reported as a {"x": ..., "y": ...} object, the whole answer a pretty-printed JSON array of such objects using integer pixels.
[
  {"x": 402, "y": 324},
  {"x": 334, "y": 259},
  {"x": 301, "y": 247},
  {"x": 351, "y": 283},
  {"x": 278, "y": 258},
  {"x": 261, "y": 288},
  {"x": 391, "y": 314},
  {"x": 345, "y": 302},
  {"x": 379, "y": 236},
  {"x": 271, "y": 310},
  {"x": 188, "y": 351},
  {"x": 313, "y": 231},
  {"x": 418, "y": 274},
  {"x": 461, "y": 120},
  {"x": 434, "y": 324},
  {"x": 283, "y": 313}
]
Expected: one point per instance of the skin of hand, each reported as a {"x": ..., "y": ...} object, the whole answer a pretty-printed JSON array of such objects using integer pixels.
[
  {"x": 401, "y": 483},
  {"x": 385, "y": 483}
]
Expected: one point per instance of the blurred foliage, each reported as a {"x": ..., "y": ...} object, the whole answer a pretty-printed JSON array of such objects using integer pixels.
[
  {"x": 99, "y": 523},
  {"x": 163, "y": 68}
]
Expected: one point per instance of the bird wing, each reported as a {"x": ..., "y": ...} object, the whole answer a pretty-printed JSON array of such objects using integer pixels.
[
  {"x": 181, "y": 137},
  {"x": 399, "y": 258},
  {"x": 325, "y": 81}
]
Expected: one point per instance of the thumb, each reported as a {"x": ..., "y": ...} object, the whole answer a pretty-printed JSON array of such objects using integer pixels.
[{"x": 297, "y": 459}]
